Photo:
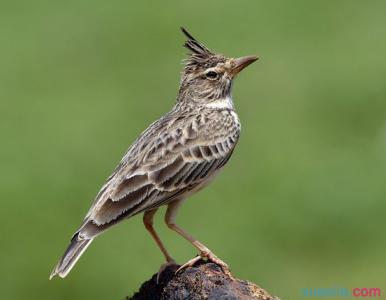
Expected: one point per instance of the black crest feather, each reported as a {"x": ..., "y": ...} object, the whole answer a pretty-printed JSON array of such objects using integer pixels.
[
  {"x": 193, "y": 45},
  {"x": 200, "y": 56}
]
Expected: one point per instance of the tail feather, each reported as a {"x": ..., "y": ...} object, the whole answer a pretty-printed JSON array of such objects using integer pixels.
[{"x": 71, "y": 256}]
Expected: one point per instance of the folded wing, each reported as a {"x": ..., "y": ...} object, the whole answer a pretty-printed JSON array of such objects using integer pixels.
[{"x": 176, "y": 159}]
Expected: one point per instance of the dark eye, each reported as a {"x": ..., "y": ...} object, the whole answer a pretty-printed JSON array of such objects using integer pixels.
[{"x": 211, "y": 74}]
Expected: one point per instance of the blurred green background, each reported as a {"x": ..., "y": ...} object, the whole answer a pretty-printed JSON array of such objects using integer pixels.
[{"x": 302, "y": 202}]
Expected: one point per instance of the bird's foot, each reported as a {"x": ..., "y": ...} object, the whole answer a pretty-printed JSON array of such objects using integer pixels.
[
  {"x": 167, "y": 265},
  {"x": 210, "y": 256},
  {"x": 189, "y": 263}
]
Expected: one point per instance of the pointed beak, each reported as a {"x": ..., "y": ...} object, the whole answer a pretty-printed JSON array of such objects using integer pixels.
[{"x": 241, "y": 63}]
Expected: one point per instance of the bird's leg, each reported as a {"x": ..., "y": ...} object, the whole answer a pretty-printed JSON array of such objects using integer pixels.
[
  {"x": 204, "y": 251},
  {"x": 148, "y": 222}
]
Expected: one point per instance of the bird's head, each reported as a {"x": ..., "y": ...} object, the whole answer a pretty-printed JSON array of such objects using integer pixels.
[{"x": 208, "y": 76}]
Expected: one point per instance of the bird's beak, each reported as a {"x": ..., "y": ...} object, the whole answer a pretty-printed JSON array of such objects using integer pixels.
[{"x": 241, "y": 63}]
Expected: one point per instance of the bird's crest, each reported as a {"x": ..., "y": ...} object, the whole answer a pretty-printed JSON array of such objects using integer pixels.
[
  {"x": 196, "y": 47},
  {"x": 200, "y": 56}
]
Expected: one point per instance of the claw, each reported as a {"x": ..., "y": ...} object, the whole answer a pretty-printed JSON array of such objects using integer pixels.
[
  {"x": 210, "y": 257},
  {"x": 189, "y": 263},
  {"x": 213, "y": 258}
]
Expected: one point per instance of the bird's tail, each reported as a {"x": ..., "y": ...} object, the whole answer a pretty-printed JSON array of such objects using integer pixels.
[{"x": 71, "y": 256}]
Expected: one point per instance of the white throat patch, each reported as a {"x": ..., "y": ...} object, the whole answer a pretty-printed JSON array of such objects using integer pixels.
[{"x": 221, "y": 103}]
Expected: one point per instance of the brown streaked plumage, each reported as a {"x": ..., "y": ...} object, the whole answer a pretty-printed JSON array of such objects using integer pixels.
[{"x": 174, "y": 157}]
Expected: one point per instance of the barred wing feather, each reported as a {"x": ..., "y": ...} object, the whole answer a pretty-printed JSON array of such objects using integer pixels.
[{"x": 169, "y": 166}]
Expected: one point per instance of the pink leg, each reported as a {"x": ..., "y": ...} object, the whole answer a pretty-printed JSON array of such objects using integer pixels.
[
  {"x": 204, "y": 251},
  {"x": 148, "y": 222}
]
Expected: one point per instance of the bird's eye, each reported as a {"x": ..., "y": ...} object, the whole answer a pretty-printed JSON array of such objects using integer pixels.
[{"x": 211, "y": 75}]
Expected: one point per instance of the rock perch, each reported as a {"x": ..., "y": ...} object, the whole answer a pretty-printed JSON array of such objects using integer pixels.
[{"x": 205, "y": 280}]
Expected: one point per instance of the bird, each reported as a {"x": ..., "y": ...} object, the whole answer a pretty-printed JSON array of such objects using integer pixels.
[{"x": 175, "y": 157}]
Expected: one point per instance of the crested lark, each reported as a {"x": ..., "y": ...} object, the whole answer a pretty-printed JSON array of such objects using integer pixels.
[{"x": 173, "y": 158}]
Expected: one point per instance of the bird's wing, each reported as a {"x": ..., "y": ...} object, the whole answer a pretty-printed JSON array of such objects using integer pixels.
[{"x": 168, "y": 160}]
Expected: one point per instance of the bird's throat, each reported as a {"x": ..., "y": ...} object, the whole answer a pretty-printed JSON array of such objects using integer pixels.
[{"x": 223, "y": 103}]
